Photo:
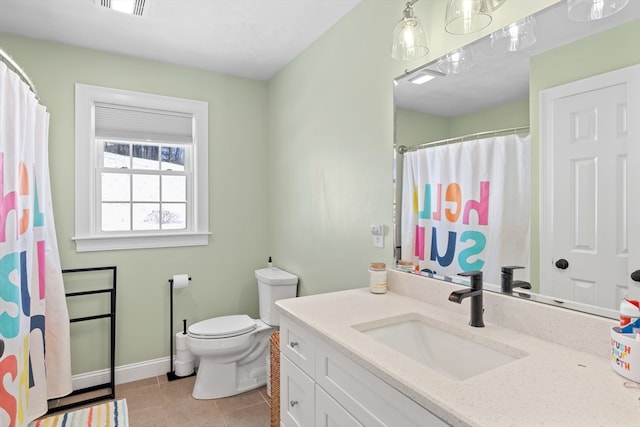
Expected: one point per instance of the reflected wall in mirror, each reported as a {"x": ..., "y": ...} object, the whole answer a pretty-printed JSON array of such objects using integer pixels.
[{"x": 502, "y": 90}]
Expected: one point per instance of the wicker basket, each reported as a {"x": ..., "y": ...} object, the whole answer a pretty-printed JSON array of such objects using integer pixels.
[{"x": 275, "y": 379}]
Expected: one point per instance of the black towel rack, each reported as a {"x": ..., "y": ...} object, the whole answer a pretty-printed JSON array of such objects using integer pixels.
[{"x": 110, "y": 386}]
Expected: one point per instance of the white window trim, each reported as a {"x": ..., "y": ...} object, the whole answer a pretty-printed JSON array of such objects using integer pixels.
[{"x": 87, "y": 238}]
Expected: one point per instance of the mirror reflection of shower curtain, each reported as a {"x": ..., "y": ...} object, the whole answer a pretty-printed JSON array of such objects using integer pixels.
[
  {"x": 465, "y": 206},
  {"x": 33, "y": 310}
]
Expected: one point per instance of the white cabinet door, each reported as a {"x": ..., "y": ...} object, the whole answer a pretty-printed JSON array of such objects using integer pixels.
[
  {"x": 297, "y": 395},
  {"x": 329, "y": 413}
]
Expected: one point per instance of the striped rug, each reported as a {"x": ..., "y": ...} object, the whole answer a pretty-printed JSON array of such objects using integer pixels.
[{"x": 108, "y": 414}]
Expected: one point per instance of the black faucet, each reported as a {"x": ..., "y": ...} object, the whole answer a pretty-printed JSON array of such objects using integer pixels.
[
  {"x": 507, "y": 283},
  {"x": 475, "y": 293}
]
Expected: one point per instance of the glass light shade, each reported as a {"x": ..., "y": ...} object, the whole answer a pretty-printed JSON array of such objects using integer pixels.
[
  {"x": 516, "y": 36},
  {"x": 456, "y": 61},
  {"x": 495, "y": 4},
  {"x": 409, "y": 39},
  {"x": 592, "y": 10},
  {"x": 467, "y": 16}
]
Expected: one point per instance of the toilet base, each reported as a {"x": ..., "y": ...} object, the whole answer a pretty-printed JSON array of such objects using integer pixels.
[
  {"x": 226, "y": 383},
  {"x": 215, "y": 380}
]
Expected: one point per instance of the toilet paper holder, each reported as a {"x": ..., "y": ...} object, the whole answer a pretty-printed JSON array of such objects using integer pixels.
[{"x": 171, "y": 375}]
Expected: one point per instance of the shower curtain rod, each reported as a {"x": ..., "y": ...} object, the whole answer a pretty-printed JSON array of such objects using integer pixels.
[
  {"x": 403, "y": 148},
  {"x": 4, "y": 57}
]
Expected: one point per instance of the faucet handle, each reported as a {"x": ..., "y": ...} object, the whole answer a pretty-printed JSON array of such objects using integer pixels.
[
  {"x": 509, "y": 269},
  {"x": 471, "y": 274},
  {"x": 476, "y": 278}
]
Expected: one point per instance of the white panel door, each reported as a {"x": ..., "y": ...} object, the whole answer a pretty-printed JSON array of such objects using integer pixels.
[{"x": 590, "y": 199}]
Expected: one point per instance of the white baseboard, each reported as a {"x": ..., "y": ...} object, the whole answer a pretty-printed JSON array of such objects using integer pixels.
[{"x": 124, "y": 374}]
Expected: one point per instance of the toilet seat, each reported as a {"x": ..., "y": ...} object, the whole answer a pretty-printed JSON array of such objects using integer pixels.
[{"x": 223, "y": 327}]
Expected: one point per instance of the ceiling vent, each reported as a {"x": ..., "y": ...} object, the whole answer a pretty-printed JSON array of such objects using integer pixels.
[{"x": 132, "y": 7}]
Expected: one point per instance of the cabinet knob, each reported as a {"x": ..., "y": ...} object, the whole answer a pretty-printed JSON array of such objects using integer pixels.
[
  {"x": 293, "y": 344},
  {"x": 562, "y": 264},
  {"x": 635, "y": 276},
  {"x": 293, "y": 403}
]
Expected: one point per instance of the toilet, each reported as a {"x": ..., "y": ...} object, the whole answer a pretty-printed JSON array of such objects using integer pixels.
[{"x": 233, "y": 349}]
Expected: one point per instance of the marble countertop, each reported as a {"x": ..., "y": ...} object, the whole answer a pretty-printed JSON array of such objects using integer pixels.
[{"x": 553, "y": 385}]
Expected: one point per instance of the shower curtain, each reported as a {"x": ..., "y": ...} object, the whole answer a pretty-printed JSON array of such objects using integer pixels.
[
  {"x": 35, "y": 359},
  {"x": 465, "y": 206}
]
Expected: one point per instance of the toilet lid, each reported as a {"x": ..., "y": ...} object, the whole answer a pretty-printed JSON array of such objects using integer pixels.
[{"x": 222, "y": 327}]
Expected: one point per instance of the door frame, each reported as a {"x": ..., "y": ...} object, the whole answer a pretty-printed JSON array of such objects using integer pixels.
[{"x": 631, "y": 77}]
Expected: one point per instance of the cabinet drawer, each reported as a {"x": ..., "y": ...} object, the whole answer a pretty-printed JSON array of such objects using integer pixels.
[
  {"x": 298, "y": 344},
  {"x": 371, "y": 401},
  {"x": 329, "y": 413},
  {"x": 297, "y": 395}
]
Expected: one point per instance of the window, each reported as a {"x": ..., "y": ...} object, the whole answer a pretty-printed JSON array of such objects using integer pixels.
[{"x": 141, "y": 170}]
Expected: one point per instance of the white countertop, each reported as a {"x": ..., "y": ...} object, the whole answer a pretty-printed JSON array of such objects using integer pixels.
[{"x": 553, "y": 385}]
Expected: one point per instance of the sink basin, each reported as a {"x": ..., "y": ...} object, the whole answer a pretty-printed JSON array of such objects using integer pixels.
[{"x": 453, "y": 352}]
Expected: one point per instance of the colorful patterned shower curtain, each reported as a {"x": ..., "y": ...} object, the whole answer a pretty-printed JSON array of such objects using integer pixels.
[
  {"x": 465, "y": 206},
  {"x": 35, "y": 359}
]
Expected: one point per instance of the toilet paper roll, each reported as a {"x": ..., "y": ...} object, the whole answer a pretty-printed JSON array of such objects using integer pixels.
[
  {"x": 181, "y": 341},
  {"x": 184, "y": 369},
  {"x": 184, "y": 356},
  {"x": 180, "y": 281}
]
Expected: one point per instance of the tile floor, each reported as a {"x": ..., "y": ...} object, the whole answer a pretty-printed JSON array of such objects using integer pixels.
[{"x": 157, "y": 402}]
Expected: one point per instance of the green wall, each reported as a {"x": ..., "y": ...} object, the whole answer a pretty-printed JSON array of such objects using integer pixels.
[
  {"x": 330, "y": 132},
  {"x": 299, "y": 168},
  {"x": 222, "y": 273},
  {"x": 414, "y": 128},
  {"x": 506, "y": 116}
]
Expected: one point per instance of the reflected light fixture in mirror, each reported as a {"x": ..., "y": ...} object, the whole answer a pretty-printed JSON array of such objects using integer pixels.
[
  {"x": 456, "y": 61},
  {"x": 423, "y": 76},
  {"x": 467, "y": 16},
  {"x": 592, "y": 10},
  {"x": 516, "y": 36},
  {"x": 409, "y": 37},
  {"x": 495, "y": 4}
]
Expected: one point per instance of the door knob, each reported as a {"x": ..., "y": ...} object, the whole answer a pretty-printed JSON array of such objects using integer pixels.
[
  {"x": 562, "y": 264},
  {"x": 635, "y": 276}
]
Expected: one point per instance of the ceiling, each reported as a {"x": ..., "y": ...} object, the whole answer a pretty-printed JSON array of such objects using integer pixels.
[
  {"x": 247, "y": 38},
  {"x": 497, "y": 78}
]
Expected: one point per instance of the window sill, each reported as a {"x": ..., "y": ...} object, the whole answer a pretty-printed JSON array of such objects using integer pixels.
[{"x": 139, "y": 241}]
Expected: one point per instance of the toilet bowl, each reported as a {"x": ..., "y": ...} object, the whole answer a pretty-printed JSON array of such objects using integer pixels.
[{"x": 233, "y": 349}]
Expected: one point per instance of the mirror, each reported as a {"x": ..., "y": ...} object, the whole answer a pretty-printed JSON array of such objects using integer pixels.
[{"x": 493, "y": 94}]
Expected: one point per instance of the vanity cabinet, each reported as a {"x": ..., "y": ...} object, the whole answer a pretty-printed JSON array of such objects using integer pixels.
[{"x": 322, "y": 387}]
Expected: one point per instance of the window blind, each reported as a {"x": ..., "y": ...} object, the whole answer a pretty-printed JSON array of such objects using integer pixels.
[{"x": 138, "y": 124}]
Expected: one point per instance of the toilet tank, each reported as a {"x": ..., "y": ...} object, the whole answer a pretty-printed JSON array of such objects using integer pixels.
[{"x": 274, "y": 284}]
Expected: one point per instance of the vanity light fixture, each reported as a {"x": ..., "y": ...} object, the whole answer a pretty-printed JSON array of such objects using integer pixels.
[
  {"x": 467, "y": 16},
  {"x": 409, "y": 36},
  {"x": 495, "y": 4},
  {"x": 592, "y": 10},
  {"x": 132, "y": 7},
  {"x": 516, "y": 36}
]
